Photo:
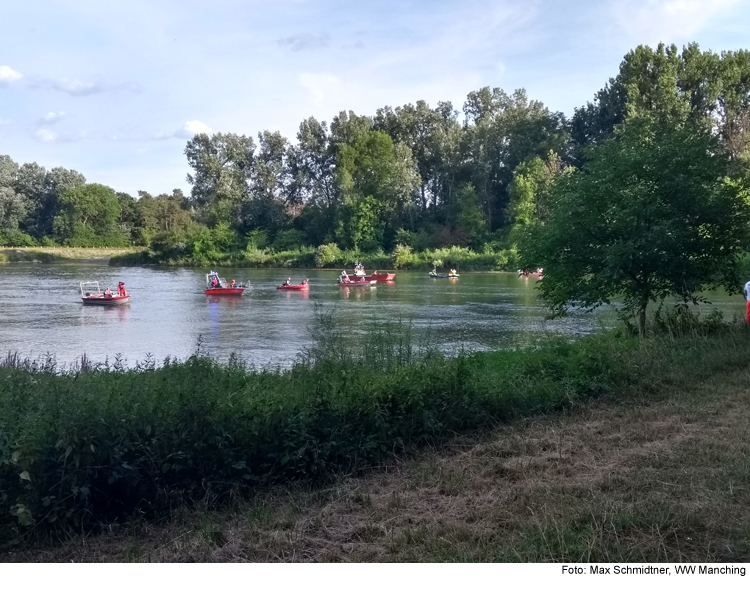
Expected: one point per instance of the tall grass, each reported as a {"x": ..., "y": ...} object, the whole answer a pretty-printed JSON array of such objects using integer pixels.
[{"x": 93, "y": 443}]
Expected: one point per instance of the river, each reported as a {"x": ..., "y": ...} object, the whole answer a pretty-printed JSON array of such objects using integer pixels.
[{"x": 41, "y": 312}]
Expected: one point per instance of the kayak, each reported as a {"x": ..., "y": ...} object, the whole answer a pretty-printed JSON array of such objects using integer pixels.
[
  {"x": 438, "y": 276},
  {"x": 298, "y": 287}
]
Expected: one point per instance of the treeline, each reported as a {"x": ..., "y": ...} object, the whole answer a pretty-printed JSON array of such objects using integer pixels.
[{"x": 403, "y": 181}]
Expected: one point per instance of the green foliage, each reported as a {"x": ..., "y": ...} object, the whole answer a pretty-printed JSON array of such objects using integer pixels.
[
  {"x": 257, "y": 240},
  {"x": 647, "y": 218},
  {"x": 402, "y": 255},
  {"x": 16, "y": 238},
  {"x": 89, "y": 216},
  {"x": 327, "y": 254},
  {"x": 94, "y": 444},
  {"x": 529, "y": 191},
  {"x": 470, "y": 220},
  {"x": 287, "y": 240}
]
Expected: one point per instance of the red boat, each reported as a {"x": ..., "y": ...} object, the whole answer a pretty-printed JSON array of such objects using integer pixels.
[
  {"x": 215, "y": 285},
  {"x": 359, "y": 272},
  {"x": 91, "y": 295},
  {"x": 357, "y": 283},
  {"x": 297, "y": 287}
]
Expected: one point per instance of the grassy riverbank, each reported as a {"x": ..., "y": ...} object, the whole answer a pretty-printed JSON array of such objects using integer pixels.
[
  {"x": 97, "y": 446},
  {"x": 328, "y": 256},
  {"x": 42, "y": 254}
]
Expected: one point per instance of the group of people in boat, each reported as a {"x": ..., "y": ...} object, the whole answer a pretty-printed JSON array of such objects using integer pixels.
[
  {"x": 289, "y": 281},
  {"x": 358, "y": 276},
  {"x": 121, "y": 291},
  {"x": 215, "y": 282},
  {"x": 527, "y": 272},
  {"x": 451, "y": 273}
]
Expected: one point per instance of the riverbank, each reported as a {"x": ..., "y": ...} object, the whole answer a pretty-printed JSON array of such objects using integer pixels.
[
  {"x": 154, "y": 442},
  {"x": 41, "y": 254},
  {"x": 327, "y": 256},
  {"x": 642, "y": 476}
]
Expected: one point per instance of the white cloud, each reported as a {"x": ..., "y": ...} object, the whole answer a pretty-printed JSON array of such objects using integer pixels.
[
  {"x": 195, "y": 127},
  {"x": 187, "y": 131},
  {"x": 45, "y": 136},
  {"x": 321, "y": 86},
  {"x": 8, "y": 75},
  {"x": 52, "y": 117},
  {"x": 667, "y": 20}
]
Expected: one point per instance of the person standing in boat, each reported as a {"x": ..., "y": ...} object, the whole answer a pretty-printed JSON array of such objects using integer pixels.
[
  {"x": 121, "y": 289},
  {"x": 746, "y": 291}
]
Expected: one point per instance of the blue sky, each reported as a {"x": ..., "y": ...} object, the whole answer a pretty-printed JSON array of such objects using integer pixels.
[{"x": 114, "y": 89}]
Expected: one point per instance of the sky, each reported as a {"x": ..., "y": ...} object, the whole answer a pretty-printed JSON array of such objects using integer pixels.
[{"x": 114, "y": 89}]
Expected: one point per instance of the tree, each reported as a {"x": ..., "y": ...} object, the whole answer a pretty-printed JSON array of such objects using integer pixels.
[
  {"x": 222, "y": 168},
  {"x": 376, "y": 178},
  {"x": 507, "y": 130},
  {"x": 649, "y": 216},
  {"x": 89, "y": 216},
  {"x": 529, "y": 191}
]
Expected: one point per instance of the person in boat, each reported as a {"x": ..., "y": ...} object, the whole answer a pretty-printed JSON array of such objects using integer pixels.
[
  {"x": 344, "y": 278},
  {"x": 214, "y": 280},
  {"x": 232, "y": 284},
  {"x": 305, "y": 282},
  {"x": 121, "y": 290},
  {"x": 108, "y": 293},
  {"x": 288, "y": 281},
  {"x": 453, "y": 272}
]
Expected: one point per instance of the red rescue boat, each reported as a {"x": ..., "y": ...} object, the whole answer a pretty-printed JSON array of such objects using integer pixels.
[
  {"x": 298, "y": 287},
  {"x": 359, "y": 272},
  {"x": 91, "y": 295},
  {"x": 216, "y": 285}
]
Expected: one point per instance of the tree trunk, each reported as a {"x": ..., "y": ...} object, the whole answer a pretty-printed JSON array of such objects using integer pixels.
[{"x": 642, "y": 317}]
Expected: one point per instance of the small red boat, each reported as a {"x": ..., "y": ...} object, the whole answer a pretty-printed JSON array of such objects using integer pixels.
[
  {"x": 91, "y": 295},
  {"x": 216, "y": 285},
  {"x": 297, "y": 287}
]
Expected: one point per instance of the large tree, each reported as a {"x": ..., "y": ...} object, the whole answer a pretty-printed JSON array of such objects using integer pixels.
[
  {"x": 89, "y": 216},
  {"x": 650, "y": 216},
  {"x": 223, "y": 166}
]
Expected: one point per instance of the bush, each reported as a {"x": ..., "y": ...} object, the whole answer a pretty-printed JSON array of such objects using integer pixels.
[
  {"x": 327, "y": 254},
  {"x": 16, "y": 238}
]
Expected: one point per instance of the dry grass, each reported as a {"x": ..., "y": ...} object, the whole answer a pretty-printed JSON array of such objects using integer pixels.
[
  {"x": 42, "y": 254},
  {"x": 658, "y": 478}
]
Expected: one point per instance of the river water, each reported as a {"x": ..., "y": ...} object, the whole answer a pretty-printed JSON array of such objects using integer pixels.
[{"x": 41, "y": 312}]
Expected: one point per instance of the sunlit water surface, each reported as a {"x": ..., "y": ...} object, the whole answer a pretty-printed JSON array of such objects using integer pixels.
[{"x": 41, "y": 312}]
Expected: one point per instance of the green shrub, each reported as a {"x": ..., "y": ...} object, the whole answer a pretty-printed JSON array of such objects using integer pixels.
[
  {"x": 14, "y": 237},
  {"x": 327, "y": 254}
]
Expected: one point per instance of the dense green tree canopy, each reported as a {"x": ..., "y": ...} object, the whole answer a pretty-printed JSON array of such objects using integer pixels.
[
  {"x": 89, "y": 216},
  {"x": 649, "y": 216}
]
